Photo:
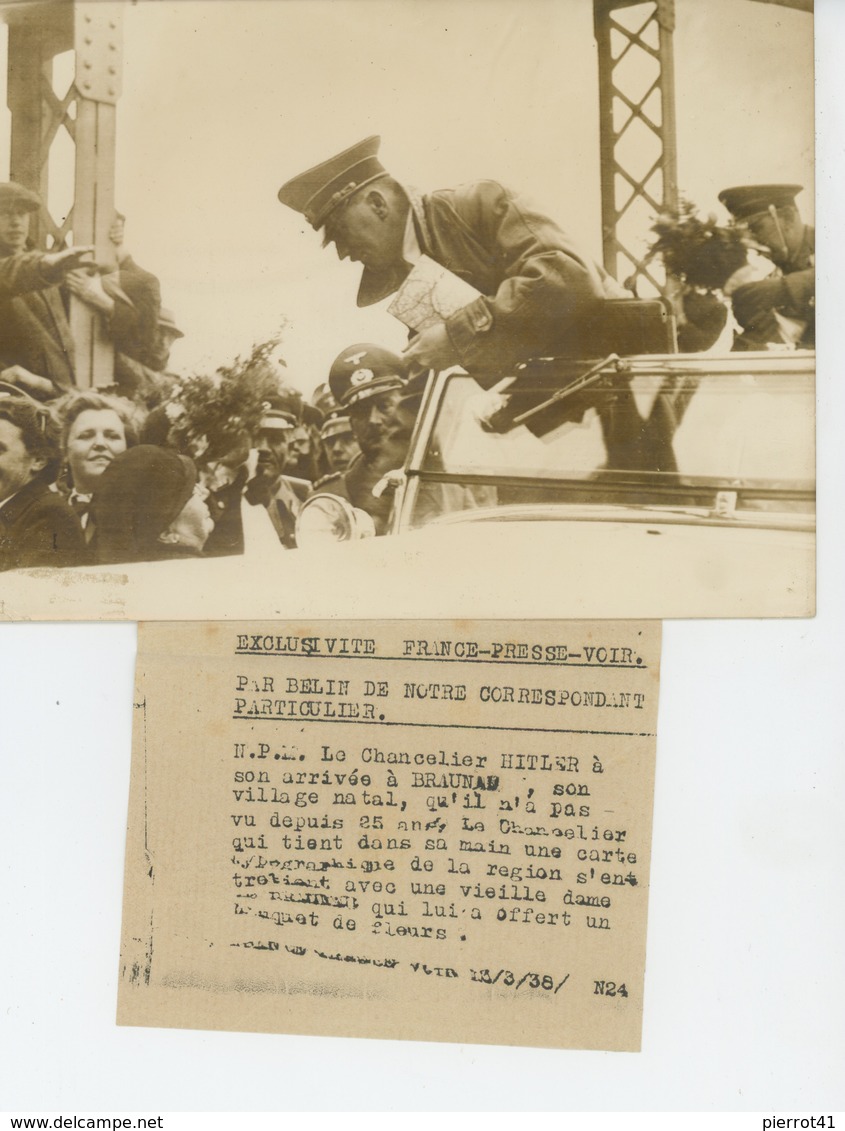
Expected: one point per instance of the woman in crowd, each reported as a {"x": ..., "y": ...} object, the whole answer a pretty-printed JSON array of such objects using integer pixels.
[
  {"x": 95, "y": 429},
  {"x": 36, "y": 527},
  {"x": 148, "y": 507}
]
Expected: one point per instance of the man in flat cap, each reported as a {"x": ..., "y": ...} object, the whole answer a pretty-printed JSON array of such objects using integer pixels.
[
  {"x": 532, "y": 281},
  {"x": 146, "y": 385},
  {"x": 770, "y": 214},
  {"x": 36, "y": 348},
  {"x": 368, "y": 383}
]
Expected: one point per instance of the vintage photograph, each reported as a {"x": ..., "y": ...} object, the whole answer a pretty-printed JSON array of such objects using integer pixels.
[{"x": 521, "y": 291}]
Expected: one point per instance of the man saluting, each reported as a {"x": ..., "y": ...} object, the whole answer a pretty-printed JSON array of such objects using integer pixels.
[
  {"x": 533, "y": 283},
  {"x": 770, "y": 214}
]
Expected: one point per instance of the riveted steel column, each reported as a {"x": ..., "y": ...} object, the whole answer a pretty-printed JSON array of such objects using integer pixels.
[
  {"x": 98, "y": 46},
  {"x": 38, "y": 31}
]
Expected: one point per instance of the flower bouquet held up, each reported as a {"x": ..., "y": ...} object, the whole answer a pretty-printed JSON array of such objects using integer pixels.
[{"x": 713, "y": 261}]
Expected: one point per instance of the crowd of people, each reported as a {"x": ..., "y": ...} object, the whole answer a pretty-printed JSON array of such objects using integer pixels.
[{"x": 157, "y": 466}]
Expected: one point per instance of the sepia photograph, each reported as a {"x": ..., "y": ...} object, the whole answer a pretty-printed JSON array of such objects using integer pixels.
[
  {"x": 171, "y": 332},
  {"x": 446, "y": 282}
]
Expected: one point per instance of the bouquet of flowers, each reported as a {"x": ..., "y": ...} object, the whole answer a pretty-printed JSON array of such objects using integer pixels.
[
  {"x": 702, "y": 253},
  {"x": 212, "y": 416}
]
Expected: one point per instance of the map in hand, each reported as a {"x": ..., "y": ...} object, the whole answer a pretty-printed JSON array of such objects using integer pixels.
[{"x": 429, "y": 295}]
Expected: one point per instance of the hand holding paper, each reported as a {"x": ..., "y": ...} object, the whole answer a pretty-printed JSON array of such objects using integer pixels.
[{"x": 431, "y": 349}]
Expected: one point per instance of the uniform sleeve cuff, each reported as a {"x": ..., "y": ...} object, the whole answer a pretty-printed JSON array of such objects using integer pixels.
[{"x": 465, "y": 326}]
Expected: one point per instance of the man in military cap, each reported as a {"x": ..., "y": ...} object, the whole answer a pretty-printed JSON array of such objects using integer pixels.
[
  {"x": 773, "y": 220},
  {"x": 281, "y": 494},
  {"x": 36, "y": 347},
  {"x": 368, "y": 384},
  {"x": 533, "y": 281},
  {"x": 338, "y": 441}
]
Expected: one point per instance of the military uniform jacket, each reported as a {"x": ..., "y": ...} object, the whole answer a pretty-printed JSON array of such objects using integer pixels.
[
  {"x": 534, "y": 281},
  {"x": 34, "y": 331},
  {"x": 38, "y": 528},
  {"x": 799, "y": 280}
]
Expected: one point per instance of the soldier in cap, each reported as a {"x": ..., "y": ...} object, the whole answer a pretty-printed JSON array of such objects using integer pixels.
[
  {"x": 323, "y": 399},
  {"x": 36, "y": 348},
  {"x": 338, "y": 442},
  {"x": 281, "y": 494},
  {"x": 773, "y": 220},
  {"x": 368, "y": 383},
  {"x": 533, "y": 282}
]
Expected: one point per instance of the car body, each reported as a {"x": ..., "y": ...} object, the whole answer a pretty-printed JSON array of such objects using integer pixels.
[{"x": 693, "y": 474}]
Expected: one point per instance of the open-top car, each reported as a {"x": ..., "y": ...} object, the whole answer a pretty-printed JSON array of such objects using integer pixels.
[{"x": 694, "y": 473}]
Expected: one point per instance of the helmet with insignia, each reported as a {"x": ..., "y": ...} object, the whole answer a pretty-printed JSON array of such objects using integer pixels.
[
  {"x": 746, "y": 201},
  {"x": 364, "y": 370},
  {"x": 317, "y": 192}
]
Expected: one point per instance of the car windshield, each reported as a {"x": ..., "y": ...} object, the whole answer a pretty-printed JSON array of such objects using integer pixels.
[{"x": 731, "y": 439}]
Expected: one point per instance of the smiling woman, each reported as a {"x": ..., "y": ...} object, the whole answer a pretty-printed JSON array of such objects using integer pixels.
[{"x": 95, "y": 429}]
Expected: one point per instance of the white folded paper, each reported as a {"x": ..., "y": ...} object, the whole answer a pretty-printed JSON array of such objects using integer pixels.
[{"x": 429, "y": 295}]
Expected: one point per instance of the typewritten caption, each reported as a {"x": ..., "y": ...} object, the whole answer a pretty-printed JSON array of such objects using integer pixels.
[{"x": 432, "y": 830}]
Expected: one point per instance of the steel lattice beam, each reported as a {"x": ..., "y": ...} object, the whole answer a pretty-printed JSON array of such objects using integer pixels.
[
  {"x": 645, "y": 35},
  {"x": 39, "y": 30}
]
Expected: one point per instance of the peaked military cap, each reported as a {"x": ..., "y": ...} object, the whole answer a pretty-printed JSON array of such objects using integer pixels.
[
  {"x": 323, "y": 399},
  {"x": 317, "y": 192},
  {"x": 749, "y": 200},
  {"x": 336, "y": 424},
  {"x": 276, "y": 414},
  {"x": 13, "y": 194},
  {"x": 364, "y": 370}
]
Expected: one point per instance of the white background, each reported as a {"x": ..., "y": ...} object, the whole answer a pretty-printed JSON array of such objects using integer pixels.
[{"x": 744, "y": 991}]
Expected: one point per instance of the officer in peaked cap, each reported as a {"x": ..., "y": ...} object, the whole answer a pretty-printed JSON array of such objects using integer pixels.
[
  {"x": 364, "y": 371},
  {"x": 533, "y": 283},
  {"x": 317, "y": 192},
  {"x": 338, "y": 441},
  {"x": 281, "y": 494},
  {"x": 368, "y": 383},
  {"x": 323, "y": 399},
  {"x": 772, "y": 218}
]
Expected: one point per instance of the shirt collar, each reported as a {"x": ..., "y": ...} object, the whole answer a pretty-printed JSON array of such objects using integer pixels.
[{"x": 411, "y": 250}]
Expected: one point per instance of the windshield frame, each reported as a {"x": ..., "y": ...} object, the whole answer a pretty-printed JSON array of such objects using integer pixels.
[{"x": 619, "y": 482}]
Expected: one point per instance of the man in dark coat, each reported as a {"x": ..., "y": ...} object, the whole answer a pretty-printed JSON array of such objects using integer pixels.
[
  {"x": 36, "y": 348},
  {"x": 534, "y": 285},
  {"x": 129, "y": 299},
  {"x": 773, "y": 220},
  {"x": 37, "y": 528}
]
